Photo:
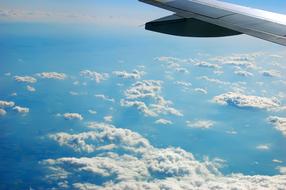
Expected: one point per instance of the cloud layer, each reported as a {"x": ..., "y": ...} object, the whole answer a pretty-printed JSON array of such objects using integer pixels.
[
  {"x": 247, "y": 101},
  {"x": 148, "y": 167}
]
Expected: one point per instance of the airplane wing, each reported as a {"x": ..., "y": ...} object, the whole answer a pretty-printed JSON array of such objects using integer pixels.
[{"x": 212, "y": 18}]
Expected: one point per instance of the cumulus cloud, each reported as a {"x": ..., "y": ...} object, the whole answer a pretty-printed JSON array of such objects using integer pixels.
[
  {"x": 123, "y": 159},
  {"x": 93, "y": 75},
  {"x": 52, "y": 75},
  {"x": 25, "y": 79},
  {"x": 31, "y": 89},
  {"x": 22, "y": 110},
  {"x": 279, "y": 123},
  {"x": 135, "y": 74},
  {"x": 247, "y": 101},
  {"x": 93, "y": 112},
  {"x": 174, "y": 64},
  {"x": 163, "y": 122},
  {"x": 213, "y": 80},
  {"x": 205, "y": 64},
  {"x": 105, "y": 98},
  {"x": 73, "y": 116},
  {"x": 202, "y": 124},
  {"x": 4, "y": 104},
  {"x": 108, "y": 118},
  {"x": 2, "y": 112},
  {"x": 282, "y": 170},
  {"x": 243, "y": 73},
  {"x": 185, "y": 85},
  {"x": 241, "y": 60},
  {"x": 201, "y": 90},
  {"x": 263, "y": 147},
  {"x": 145, "y": 91},
  {"x": 277, "y": 161}
]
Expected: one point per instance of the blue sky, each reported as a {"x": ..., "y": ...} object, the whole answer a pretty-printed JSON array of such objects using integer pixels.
[{"x": 129, "y": 12}]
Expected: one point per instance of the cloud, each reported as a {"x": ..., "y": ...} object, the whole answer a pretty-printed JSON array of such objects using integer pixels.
[
  {"x": 108, "y": 119},
  {"x": 4, "y": 104},
  {"x": 277, "y": 161},
  {"x": 282, "y": 170},
  {"x": 202, "y": 124},
  {"x": 174, "y": 64},
  {"x": 263, "y": 147},
  {"x": 2, "y": 112},
  {"x": 241, "y": 60},
  {"x": 72, "y": 116},
  {"x": 123, "y": 159},
  {"x": 163, "y": 122},
  {"x": 271, "y": 73},
  {"x": 213, "y": 80},
  {"x": 201, "y": 90},
  {"x": 243, "y": 73},
  {"x": 31, "y": 89},
  {"x": 247, "y": 101},
  {"x": 25, "y": 79},
  {"x": 93, "y": 75},
  {"x": 141, "y": 106},
  {"x": 93, "y": 112},
  {"x": 279, "y": 123},
  {"x": 22, "y": 110},
  {"x": 205, "y": 64},
  {"x": 186, "y": 85},
  {"x": 145, "y": 91},
  {"x": 52, "y": 75},
  {"x": 135, "y": 74},
  {"x": 103, "y": 97}
]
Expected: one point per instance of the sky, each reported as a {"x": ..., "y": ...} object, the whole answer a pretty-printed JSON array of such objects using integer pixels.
[
  {"x": 124, "y": 12},
  {"x": 89, "y": 100}
]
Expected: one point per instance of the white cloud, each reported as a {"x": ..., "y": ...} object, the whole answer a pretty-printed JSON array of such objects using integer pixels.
[
  {"x": 148, "y": 91},
  {"x": 163, "y": 122},
  {"x": 277, "y": 161},
  {"x": 6, "y": 104},
  {"x": 108, "y": 118},
  {"x": 52, "y": 75},
  {"x": 279, "y": 123},
  {"x": 282, "y": 170},
  {"x": 271, "y": 73},
  {"x": 213, "y": 80},
  {"x": 139, "y": 165},
  {"x": 31, "y": 89},
  {"x": 25, "y": 79},
  {"x": 241, "y": 60},
  {"x": 73, "y": 93},
  {"x": 141, "y": 106},
  {"x": 93, "y": 112},
  {"x": 135, "y": 74},
  {"x": 201, "y": 90},
  {"x": 103, "y": 97},
  {"x": 2, "y": 112},
  {"x": 244, "y": 101},
  {"x": 243, "y": 73},
  {"x": 93, "y": 75},
  {"x": 22, "y": 110},
  {"x": 174, "y": 63},
  {"x": 185, "y": 85},
  {"x": 202, "y": 124},
  {"x": 263, "y": 147},
  {"x": 72, "y": 116},
  {"x": 205, "y": 64}
]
